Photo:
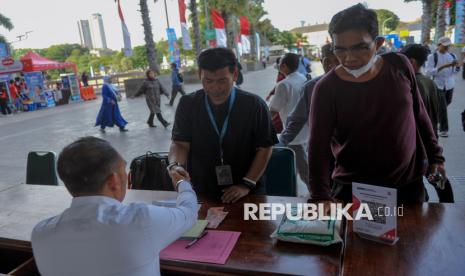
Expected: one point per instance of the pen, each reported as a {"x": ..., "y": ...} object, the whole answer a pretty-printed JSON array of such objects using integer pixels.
[{"x": 196, "y": 240}]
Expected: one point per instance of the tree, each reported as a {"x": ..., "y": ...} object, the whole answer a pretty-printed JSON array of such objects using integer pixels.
[
  {"x": 61, "y": 52},
  {"x": 287, "y": 39},
  {"x": 195, "y": 26},
  {"x": 387, "y": 20},
  {"x": 255, "y": 13},
  {"x": 426, "y": 19},
  {"x": 6, "y": 23},
  {"x": 440, "y": 19},
  {"x": 148, "y": 37}
]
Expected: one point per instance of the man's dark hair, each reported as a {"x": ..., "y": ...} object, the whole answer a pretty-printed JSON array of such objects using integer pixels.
[
  {"x": 357, "y": 17},
  {"x": 12, "y": 81},
  {"x": 327, "y": 50},
  {"x": 217, "y": 58},
  {"x": 85, "y": 164},
  {"x": 292, "y": 61},
  {"x": 417, "y": 52},
  {"x": 174, "y": 65}
]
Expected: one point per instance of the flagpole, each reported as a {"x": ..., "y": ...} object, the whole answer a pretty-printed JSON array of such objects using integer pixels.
[
  {"x": 166, "y": 12},
  {"x": 207, "y": 21}
]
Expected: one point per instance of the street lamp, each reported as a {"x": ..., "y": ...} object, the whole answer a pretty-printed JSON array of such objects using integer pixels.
[{"x": 384, "y": 23}]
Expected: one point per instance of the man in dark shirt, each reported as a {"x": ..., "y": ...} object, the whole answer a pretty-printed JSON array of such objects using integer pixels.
[
  {"x": 417, "y": 55},
  {"x": 222, "y": 134},
  {"x": 367, "y": 113}
]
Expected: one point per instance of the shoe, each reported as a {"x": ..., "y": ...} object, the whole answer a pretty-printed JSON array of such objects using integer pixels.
[
  {"x": 151, "y": 125},
  {"x": 168, "y": 104},
  {"x": 102, "y": 130},
  {"x": 122, "y": 129},
  {"x": 166, "y": 124},
  {"x": 443, "y": 134}
]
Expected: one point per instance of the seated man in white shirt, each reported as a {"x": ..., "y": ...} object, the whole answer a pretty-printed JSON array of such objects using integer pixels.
[{"x": 97, "y": 234}]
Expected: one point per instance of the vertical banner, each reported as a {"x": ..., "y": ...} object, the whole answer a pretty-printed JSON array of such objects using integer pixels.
[
  {"x": 186, "y": 39},
  {"x": 218, "y": 23},
  {"x": 460, "y": 21},
  {"x": 3, "y": 50},
  {"x": 175, "y": 53},
  {"x": 245, "y": 32},
  {"x": 35, "y": 83},
  {"x": 126, "y": 36},
  {"x": 257, "y": 44}
]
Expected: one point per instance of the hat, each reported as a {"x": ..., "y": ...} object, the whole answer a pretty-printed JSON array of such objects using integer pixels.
[{"x": 445, "y": 41}]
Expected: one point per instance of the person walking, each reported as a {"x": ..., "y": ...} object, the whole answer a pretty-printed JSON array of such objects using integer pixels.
[
  {"x": 85, "y": 79},
  {"x": 109, "y": 114},
  {"x": 441, "y": 66},
  {"x": 152, "y": 89},
  {"x": 177, "y": 83}
]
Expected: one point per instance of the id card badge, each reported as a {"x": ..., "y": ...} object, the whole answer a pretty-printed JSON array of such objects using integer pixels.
[{"x": 224, "y": 175}]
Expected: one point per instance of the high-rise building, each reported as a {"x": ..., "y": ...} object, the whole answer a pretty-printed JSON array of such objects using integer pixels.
[
  {"x": 85, "y": 34},
  {"x": 97, "y": 31}
]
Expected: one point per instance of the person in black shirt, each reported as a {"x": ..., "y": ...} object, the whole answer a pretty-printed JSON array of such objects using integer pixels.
[{"x": 222, "y": 135}]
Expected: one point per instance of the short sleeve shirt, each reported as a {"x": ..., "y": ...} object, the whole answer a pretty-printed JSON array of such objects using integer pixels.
[{"x": 249, "y": 128}]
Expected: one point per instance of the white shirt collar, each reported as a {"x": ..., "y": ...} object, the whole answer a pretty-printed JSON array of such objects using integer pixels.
[{"x": 85, "y": 200}]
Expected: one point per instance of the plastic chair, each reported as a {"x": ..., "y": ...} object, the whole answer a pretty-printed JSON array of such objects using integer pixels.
[
  {"x": 280, "y": 173},
  {"x": 41, "y": 168}
]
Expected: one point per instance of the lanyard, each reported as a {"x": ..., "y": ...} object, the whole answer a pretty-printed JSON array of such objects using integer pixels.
[{"x": 221, "y": 134}]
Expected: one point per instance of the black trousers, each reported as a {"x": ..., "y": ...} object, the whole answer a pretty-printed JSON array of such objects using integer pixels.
[
  {"x": 4, "y": 107},
  {"x": 174, "y": 92},
  {"x": 463, "y": 71},
  {"x": 159, "y": 117},
  {"x": 445, "y": 98}
]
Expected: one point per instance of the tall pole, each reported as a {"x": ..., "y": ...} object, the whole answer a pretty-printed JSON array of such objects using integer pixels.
[
  {"x": 207, "y": 19},
  {"x": 166, "y": 12}
]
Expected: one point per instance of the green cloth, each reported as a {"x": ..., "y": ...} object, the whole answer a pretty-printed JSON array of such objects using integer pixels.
[{"x": 429, "y": 95}]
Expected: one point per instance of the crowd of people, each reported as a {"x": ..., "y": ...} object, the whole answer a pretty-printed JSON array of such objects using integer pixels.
[{"x": 370, "y": 119}]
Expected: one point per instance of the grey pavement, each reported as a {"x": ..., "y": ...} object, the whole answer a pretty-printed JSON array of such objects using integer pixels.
[{"x": 52, "y": 129}]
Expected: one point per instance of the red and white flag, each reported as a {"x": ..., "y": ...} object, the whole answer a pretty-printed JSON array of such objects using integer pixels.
[
  {"x": 245, "y": 32},
  {"x": 186, "y": 39},
  {"x": 126, "y": 35},
  {"x": 218, "y": 23}
]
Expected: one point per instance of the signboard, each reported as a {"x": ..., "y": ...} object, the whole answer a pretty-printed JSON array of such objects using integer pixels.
[
  {"x": 404, "y": 33},
  {"x": 9, "y": 65},
  {"x": 210, "y": 34},
  {"x": 3, "y": 50},
  {"x": 34, "y": 82}
]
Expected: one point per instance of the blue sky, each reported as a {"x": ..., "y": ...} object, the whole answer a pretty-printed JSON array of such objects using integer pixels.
[{"x": 55, "y": 21}]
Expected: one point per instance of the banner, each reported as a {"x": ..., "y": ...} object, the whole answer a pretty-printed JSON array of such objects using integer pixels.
[
  {"x": 126, "y": 36},
  {"x": 245, "y": 32},
  {"x": 175, "y": 53},
  {"x": 34, "y": 83},
  {"x": 218, "y": 23},
  {"x": 3, "y": 50},
  {"x": 459, "y": 21},
  {"x": 186, "y": 39}
]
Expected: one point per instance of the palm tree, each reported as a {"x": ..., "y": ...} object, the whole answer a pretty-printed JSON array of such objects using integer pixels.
[
  {"x": 148, "y": 37},
  {"x": 6, "y": 23},
  {"x": 195, "y": 25},
  {"x": 441, "y": 19},
  {"x": 426, "y": 19},
  {"x": 255, "y": 12}
]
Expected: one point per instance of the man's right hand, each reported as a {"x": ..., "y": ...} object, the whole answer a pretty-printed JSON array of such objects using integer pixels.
[{"x": 178, "y": 173}]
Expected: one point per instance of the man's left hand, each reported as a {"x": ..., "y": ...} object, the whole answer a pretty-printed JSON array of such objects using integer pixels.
[
  {"x": 437, "y": 168},
  {"x": 234, "y": 193}
]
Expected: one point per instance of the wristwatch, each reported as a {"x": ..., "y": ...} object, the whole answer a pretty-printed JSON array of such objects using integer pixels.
[{"x": 249, "y": 183}]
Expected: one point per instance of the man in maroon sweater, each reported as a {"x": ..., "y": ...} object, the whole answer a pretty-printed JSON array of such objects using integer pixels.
[{"x": 367, "y": 113}]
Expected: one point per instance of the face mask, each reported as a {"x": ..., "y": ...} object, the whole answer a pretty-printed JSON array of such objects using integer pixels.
[{"x": 362, "y": 70}]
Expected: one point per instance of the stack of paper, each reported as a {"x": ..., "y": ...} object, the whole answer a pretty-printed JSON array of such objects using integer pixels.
[{"x": 195, "y": 231}]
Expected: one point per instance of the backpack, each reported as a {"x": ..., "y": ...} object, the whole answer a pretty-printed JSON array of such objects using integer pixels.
[
  {"x": 148, "y": 172},
  {"x": 180, "y": 78},
  {"x": 435, "y": 56}
]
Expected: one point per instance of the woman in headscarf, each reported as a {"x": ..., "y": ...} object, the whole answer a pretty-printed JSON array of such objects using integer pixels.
[
  {"x": 109, "y": 114},
  {"x": 153, "y": 89}
]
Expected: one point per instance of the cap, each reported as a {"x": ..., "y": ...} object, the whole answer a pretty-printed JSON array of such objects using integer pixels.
[{"x": 445, "y": 41}]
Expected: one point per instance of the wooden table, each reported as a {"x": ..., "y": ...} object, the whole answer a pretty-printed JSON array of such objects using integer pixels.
[
  {"x": 432, "y": 242},
  {"x": 22, "y": 206}
]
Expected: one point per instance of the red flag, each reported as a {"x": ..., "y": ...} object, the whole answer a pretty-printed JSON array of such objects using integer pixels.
[
  {"x": 120, "y": 12},
  {"x": 245, "y": 25},
  {"x": 182, "y": 11},
  {"x": 218, "y": 21}
]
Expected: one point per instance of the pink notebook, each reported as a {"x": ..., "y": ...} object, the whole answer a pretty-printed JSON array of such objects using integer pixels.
[{"x": 214, "y": 248}]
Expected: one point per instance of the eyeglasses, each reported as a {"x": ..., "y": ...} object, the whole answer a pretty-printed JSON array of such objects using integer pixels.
[{"x": 356, "y": 50}]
